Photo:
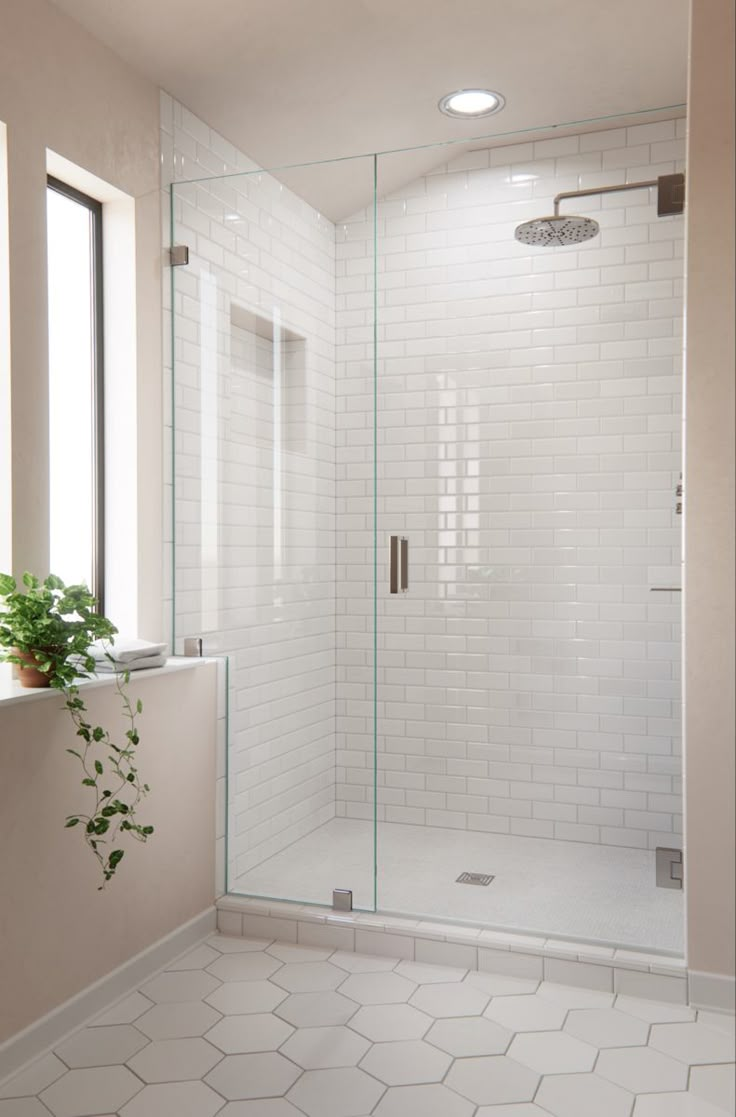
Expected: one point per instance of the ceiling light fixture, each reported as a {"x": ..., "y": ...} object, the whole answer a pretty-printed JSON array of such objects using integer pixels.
[{"x": 471, "y": 103}]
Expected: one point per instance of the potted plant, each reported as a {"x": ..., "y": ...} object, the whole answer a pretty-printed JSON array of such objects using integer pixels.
[{"x": 48, "y": 631}]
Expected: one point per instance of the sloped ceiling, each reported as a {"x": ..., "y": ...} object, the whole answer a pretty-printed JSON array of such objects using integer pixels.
[{"x": 291, "y": 81}]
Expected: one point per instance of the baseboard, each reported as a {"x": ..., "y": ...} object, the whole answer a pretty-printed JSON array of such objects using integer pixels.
[
  {"x": 713, "y": 991},
  {"x": 38, "y": 1037}
]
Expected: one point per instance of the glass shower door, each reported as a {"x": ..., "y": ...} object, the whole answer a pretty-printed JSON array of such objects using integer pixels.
[
  {"x": 528, "y": 423},
  {"x": 262, "y": 436}
]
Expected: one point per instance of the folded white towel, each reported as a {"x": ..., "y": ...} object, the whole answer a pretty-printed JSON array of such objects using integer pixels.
[
  {"x": 126, "y": 649},
  {"x": 106, "y": 667}
]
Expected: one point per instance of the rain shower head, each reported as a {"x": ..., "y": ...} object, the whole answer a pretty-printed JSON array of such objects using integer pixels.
[{"x": 552, "y": 231}]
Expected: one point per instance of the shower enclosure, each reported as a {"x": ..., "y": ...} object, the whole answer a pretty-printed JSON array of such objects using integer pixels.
[{"x": 425, "y": 502}]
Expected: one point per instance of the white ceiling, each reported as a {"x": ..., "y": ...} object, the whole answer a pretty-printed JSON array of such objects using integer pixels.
[{"x": 291, "y": 81}]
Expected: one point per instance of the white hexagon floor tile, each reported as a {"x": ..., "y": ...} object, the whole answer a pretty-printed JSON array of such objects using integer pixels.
[
  {"x": 406, "y": 1062},
  {"x": 676, "y": 1105},
  {"x": 377, "y": 988},
  {"x": 124, "y": 1012},
  {"x": 184, "y": 1099},
  {"x": 641, "y": 1070},
  {"x": 180, "y": 985},
  {"x": 325, "y": 1048},
  {"x": 85, "y": 1093},
  {"x": 244, "y": 967},
  {"x": 362, "y": 963},
  {"x": 692, "y": 1043},
  {"x": 235, "y": 998},
  {"x": 424, "y": 1101},
  {"x": 35, "y": 1078},
  {"x": 175, "y": 1060},
  {"x": 101, "y": 1047},
  {"x": 264, "y": 1107},
  {"x": 233, "y": 944},
  {"x": 606, "y": 1027},
  {"x": 526, "y": 1014},
  {"x": 308, "y": 977},
  {"x": 716, "y": 1085},
  {"x": 197, "y": 959},
  {"x": 583, "y": 1095},
  {"x": 450, "y": 999},
  {"x": 524, "y": 1109},
  {"x": 553, "y": 1053},
  {"x": 23, "y": 1107},
  {"x": 492, "y": 1079},
  {"x": 390, "y": 1022},
  {"x": 290, "y": 952},
  {"x": 311, "y": 1010},
  {"x": 654, "y": 1012},
  {"x": 242, "y": 1035},
  {"x": 265, "y": 1075},
  {"x": 501, "y": 985},
  {"x": 177, "y": 1021},
  {"x": 343, "y": 1092},
  {"x": 469, "y": 1035},
  {"x": 573, "y": 996},
  {"x": 425, "y": 974}
]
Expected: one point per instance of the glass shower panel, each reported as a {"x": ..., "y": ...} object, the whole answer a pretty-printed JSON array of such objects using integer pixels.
[
  {"x": 263, "y": 438},
  {"x": 528, "y": 430}
]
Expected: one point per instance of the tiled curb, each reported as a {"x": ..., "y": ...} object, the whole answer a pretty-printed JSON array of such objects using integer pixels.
[{"x": 656, "y": 977}]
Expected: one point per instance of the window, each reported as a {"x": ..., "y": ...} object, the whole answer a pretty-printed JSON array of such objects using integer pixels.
[{"x": 76, "y": 462}]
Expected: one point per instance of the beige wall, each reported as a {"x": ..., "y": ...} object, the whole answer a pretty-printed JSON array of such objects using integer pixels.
[
  {"x": 61, "y": 89},
  {"x": 57, "y": 932},
  {"x": 709, "y": 492}
]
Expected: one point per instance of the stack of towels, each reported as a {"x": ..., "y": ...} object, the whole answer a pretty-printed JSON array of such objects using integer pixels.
[{"x": 126, "y": 654}]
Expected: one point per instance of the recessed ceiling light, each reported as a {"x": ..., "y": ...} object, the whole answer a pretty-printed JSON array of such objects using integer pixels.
[{"x": 471, "y": 102}]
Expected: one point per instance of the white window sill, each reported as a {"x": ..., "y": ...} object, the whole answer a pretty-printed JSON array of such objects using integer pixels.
[{"x": 11, "y": 691}]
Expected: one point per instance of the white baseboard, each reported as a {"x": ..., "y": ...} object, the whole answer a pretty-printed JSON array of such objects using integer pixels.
[
  {"x": 713, "y": 991},
  {"x": 38, "y": 1037}
]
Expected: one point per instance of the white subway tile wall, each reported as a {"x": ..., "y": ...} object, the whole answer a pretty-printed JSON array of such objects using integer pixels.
[
  {"x": 529, "y": 415},
  {"x": 254, "y": 399},
  {"x": 528, "y": 446}
]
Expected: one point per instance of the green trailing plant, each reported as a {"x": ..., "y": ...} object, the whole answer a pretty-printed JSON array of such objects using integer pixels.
[{"x": 53, "y": 626}]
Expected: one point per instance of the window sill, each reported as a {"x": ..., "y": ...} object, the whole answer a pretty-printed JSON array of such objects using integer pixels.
[{"x": 12, "y": 692}]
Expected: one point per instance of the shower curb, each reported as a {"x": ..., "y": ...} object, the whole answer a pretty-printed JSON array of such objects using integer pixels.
[{"x": 652, "y": 976}]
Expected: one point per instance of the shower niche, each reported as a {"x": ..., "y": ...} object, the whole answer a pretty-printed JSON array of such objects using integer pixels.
[{"x": 269, "y": 377}]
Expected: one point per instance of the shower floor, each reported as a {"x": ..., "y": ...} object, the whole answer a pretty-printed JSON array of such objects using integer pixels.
[{"x": 572, "y": 890}]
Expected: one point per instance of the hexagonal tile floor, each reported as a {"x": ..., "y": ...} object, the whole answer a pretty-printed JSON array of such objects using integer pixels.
[{"x": 238, "y": 1028}]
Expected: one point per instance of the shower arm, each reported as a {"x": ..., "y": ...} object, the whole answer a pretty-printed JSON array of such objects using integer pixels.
[{"x": 601, "y": 190}]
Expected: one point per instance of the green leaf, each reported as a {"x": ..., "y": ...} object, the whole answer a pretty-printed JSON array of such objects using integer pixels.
[
  {"x": 7, "y": 584},
  {"x": 98, "y": 767},
  {"x": 139, "y": 707},
  {"x": 71, "y": 822},
  {"x": 115, "y": 858},
  {"x": 89, "y": 783}
]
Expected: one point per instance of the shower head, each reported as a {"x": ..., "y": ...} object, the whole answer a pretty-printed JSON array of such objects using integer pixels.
[{"x": 551, "y": 232}]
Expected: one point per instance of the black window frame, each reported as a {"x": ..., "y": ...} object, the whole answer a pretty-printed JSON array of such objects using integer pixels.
[{"x": 98, "y": 383}]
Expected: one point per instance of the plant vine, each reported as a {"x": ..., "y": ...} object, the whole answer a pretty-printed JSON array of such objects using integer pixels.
[{"x": 111, "y": 813}]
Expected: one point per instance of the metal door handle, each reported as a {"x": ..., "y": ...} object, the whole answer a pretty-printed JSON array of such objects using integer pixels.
[{"x": 398, "y": 564}]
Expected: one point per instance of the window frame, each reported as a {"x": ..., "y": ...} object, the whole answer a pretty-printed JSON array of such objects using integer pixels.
[{"x": 98, "y": 383}]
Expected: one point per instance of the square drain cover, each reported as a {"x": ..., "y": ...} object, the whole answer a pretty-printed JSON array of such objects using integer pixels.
[{"x": 474, "y": 878}]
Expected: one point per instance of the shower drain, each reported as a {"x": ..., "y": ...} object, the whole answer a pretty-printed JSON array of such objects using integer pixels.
[{"x": 474, "y": 878}]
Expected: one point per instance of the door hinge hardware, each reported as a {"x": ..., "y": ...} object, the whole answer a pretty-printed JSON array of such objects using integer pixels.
[
  {"x": 179, "y": 255},
  {"x": 669, "y": 867}
]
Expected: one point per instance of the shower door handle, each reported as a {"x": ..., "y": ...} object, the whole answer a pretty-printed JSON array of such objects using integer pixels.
[{"x": 399, "y": 564}]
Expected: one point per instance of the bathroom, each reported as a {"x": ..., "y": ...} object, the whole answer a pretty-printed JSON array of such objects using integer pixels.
[{"x": 402, "y": 482}]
